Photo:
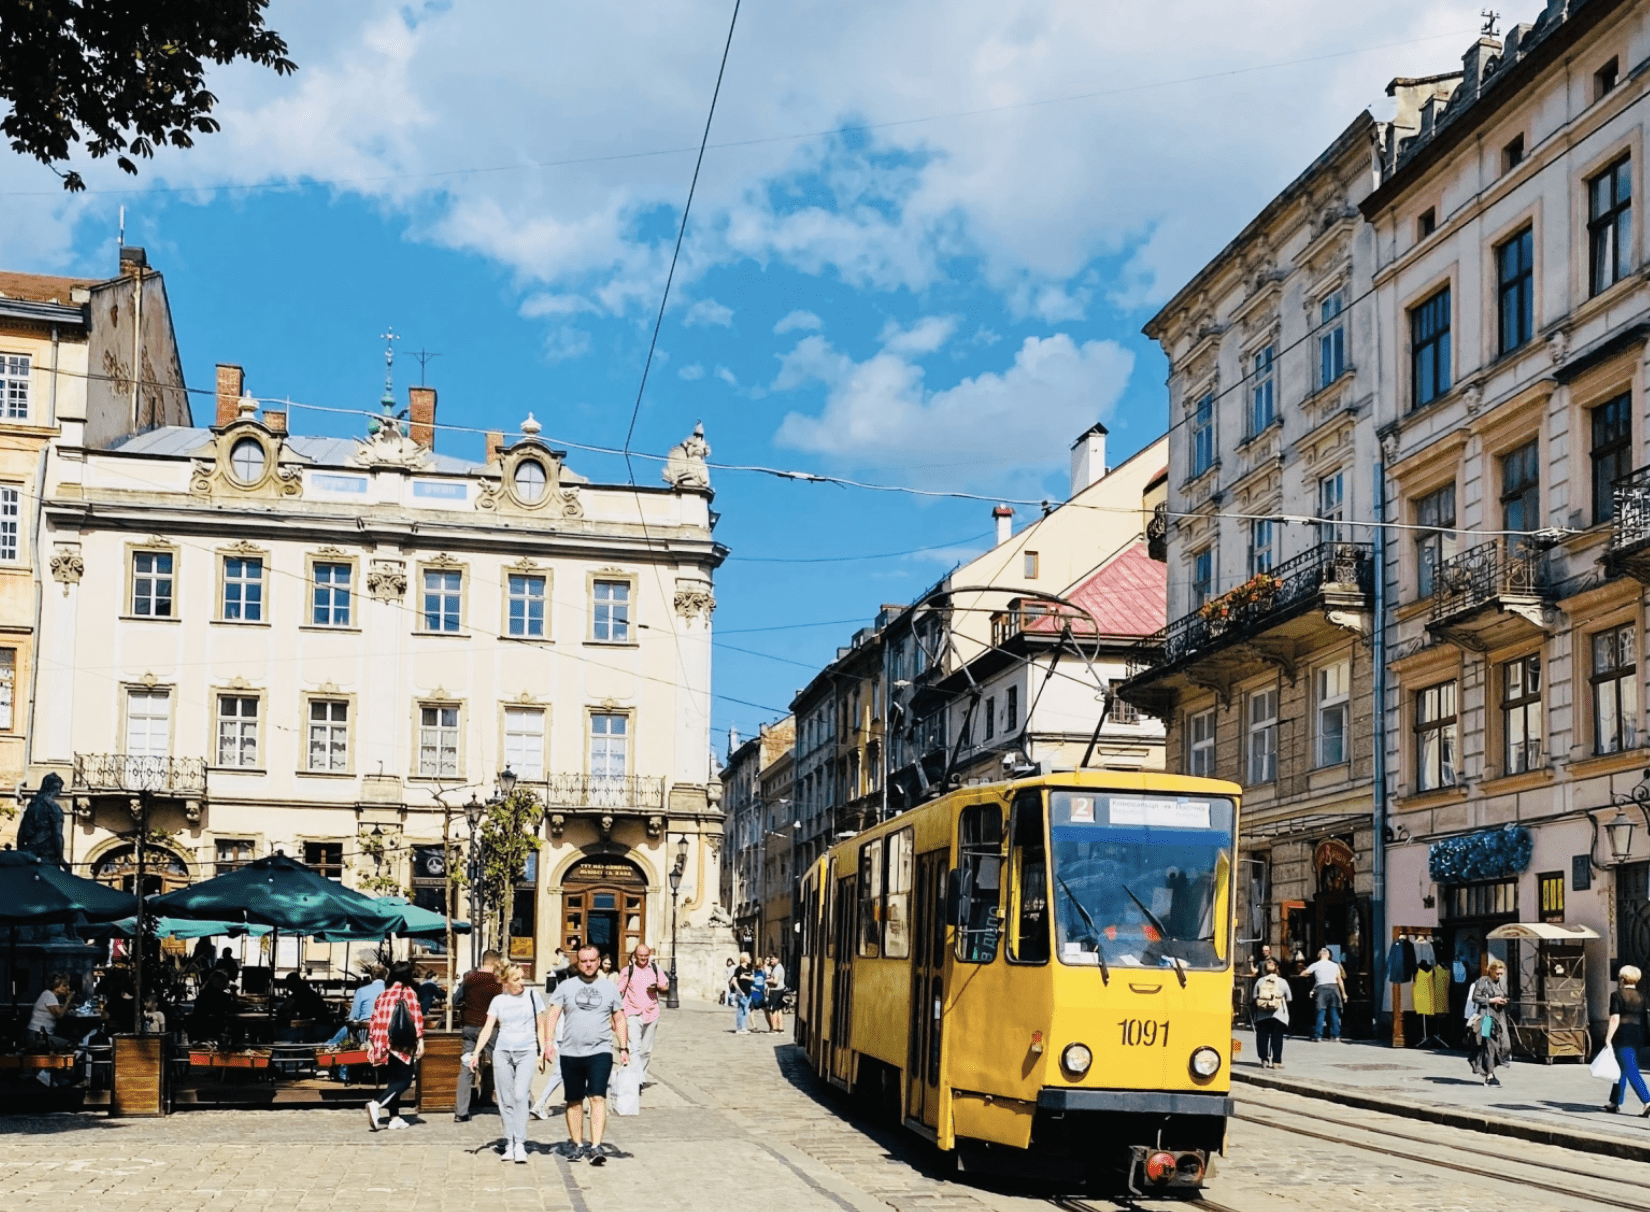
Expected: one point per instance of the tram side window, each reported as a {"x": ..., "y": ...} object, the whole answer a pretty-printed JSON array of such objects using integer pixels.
[
  {"x": 977, "y": 882},
  {"x": 1029, "y": 942},
  {"x": 870, "y": 899},
  {"x": 896, "y": 935}
]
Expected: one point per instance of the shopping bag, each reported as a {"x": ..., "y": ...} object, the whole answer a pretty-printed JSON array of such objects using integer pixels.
[
  {"x": 625, "y": 1093},
  {"x": 1605, "y": 1067}
]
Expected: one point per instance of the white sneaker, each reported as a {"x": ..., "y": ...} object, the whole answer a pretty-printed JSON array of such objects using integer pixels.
[
  {"x": 538, "y": 1113},
  {"x": 373, "y": 1112},
  {"x": 521, "y": 1153},
  {"x": 398, "y": 1123}
]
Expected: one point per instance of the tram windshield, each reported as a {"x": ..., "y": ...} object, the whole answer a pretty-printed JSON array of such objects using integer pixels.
[{"x": 1140, "y": 881}]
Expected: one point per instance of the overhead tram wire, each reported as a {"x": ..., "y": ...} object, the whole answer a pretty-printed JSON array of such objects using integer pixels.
[{"x": 681, "y": 231}]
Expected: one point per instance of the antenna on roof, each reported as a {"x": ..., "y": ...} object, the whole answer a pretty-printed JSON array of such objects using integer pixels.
[
  {"x": 1491, "y": 18},
  {"x": 423, "y": 356},
  {"x": 122, "y": 236}
]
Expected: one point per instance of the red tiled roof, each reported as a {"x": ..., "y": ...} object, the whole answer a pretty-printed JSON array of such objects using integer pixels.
[
  {"x": 1129, "y": 596},
  {"x": 40, "y": 288}
]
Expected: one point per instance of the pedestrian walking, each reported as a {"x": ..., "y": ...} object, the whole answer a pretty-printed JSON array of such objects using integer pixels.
[
  {"x": 725, "y": 997},
  {"x": 595, "y": 1019},
  {"x": 1487, "y": 1040},
  {"x": 1625, "y": 1036},
  {"x": 640, "y": 984},
  {"x": 473, "y": 1000},
  {"x": 551, "y": 1072},
  {"x": 517, "y": 1016},
  {"x": 607, "y": 968},
  {"x": 740, "y": 983},
  {"x": 773, "y": 1001},
  {"x": 395, "y": 1040},
  {"x": 1270, "y": 1002},
  {"x": 1328, "y": 995}
]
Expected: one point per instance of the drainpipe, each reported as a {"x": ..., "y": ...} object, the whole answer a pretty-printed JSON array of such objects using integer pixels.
[{"x": 1377, "y": 900}]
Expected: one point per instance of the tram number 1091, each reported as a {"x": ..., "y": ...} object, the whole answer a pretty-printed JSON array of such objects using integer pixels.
[{"x": 1144, "y": 1033}]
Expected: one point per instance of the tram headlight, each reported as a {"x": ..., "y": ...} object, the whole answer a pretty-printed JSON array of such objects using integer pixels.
[
  {"x": 1205, "y": 1062},
  {"x": 1076, "y": 1059}
]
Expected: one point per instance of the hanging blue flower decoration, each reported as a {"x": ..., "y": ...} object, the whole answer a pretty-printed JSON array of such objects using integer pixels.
[{"x": 1489, "y": 854}]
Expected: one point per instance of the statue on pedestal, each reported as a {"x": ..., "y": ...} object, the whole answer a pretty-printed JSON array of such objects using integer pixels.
[{"x": 41, "y": 831}]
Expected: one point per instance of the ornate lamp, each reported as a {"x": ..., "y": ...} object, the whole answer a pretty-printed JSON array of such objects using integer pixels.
[{"x": 1620, "y": 831}]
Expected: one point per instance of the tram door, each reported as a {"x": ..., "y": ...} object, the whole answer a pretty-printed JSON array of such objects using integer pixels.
[
  {"x": 842, "y": 987},
  {"x": 922, "y": 1069}
]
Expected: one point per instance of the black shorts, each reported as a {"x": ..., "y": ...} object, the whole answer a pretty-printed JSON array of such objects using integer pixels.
[{"x": 586, "y": 1076}]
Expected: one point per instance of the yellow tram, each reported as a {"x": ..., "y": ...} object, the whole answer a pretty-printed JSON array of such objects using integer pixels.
[{"x": 1039, "y": 970}]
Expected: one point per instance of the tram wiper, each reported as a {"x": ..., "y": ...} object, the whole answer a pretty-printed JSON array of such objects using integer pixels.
[
  {"x": 1094, "y": 931},
  {"x": 1162, "y": 932}
]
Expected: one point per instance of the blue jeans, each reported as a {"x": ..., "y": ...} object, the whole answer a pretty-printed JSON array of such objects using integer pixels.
[
  {"x": 1628, "y": 1059},
  {"x": 743, "y": 1013},
  {"x": 1329, "y": 1007}
]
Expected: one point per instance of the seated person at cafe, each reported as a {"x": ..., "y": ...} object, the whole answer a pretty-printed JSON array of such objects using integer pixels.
[
  {"x": 203, "y": 957},
  {"x": 154, "y": 1016},
  {"x": 119, "y": 998},
  {"x": 301, "y": 1015},
  {"x": 360, "y": 1015},
  {"x": 430, "y": 994},
  {"x": 227, "y": 963},
  {"x": 49, "y": 1009},
  {"x": 214, "y": 1009}
]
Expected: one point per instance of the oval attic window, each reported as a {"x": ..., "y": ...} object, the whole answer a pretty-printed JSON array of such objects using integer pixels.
[
  {"x": 530, "y": 481},
  {"x": 246, "y": 461}
]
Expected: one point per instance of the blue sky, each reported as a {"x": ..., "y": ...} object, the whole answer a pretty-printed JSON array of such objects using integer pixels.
[{"x": 942, "y": 296}]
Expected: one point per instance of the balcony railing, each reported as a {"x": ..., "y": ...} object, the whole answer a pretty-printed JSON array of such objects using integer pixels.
[
  {"x": 1630, "y": 528},
  {"x": 1502, "y": 568},
  {"x": 613, "y": 792},
  {"x": 130, "y": 773},
  {"x": 1227, "y": 619}
]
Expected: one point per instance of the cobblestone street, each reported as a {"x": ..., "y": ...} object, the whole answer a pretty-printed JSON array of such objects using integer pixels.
[{"x": 738, "y": 1118}]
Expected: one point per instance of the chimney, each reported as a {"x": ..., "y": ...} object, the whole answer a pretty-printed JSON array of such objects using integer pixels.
[
  {"x": 1088, "y": 458},
  {"x": 132, "y": 261},
  {"x": 1473, "y": 64},
  {"x": 421, "y": 414},
  {"x": 1005, "y": 523},
  {"x": 733, "y": 733},
  {"x": 495, "y": 445},
  {"x": 275, "y": 420},
  {"x": 231, "y": 384}
]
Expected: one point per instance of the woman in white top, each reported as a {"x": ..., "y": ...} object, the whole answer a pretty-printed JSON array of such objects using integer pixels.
[{"x": 517, "y": 1014}]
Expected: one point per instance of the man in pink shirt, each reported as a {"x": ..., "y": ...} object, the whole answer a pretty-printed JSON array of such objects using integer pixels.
[{"x": 640, "y": 983}]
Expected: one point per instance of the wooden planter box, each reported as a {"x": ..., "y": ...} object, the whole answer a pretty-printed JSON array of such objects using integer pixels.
[
  {"x": 438, "y": 1071},
  {"x": 139, "y": 1076},
  {"x": 349, "y": 1056},
  {"x": 36, "y": 1061},
  {"x": 257, "y": 1058}
]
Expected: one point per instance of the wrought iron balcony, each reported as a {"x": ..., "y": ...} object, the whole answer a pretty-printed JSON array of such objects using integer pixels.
[
  {"x": 1336, "y": 578},
  {"x": 131, "y": 774},
  {"x": 1491, "y": 594},
  {"x": 609, "y": 792},
  {"x": 1629, "y": 549}
]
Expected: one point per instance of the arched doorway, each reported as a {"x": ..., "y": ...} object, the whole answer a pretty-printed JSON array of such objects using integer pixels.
[
  {"x": 604, "y": 905},
  {"x": 163, "y": 871}
]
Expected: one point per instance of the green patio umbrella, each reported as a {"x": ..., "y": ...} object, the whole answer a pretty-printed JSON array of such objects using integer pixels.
[
  {"x": 280, "y": 892},
  {"x": 33, "y": 893},
  {"x": 413, "y": 922},
  {"x": 173, "y": 927}
]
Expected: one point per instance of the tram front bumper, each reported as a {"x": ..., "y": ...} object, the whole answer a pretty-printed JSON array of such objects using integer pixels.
[{"x": 1135, "y": 1102}]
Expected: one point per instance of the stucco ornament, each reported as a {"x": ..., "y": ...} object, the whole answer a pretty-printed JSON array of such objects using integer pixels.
[
  {"x": 694, "y": 598},
  {"x": 67, "y": 565},
  {"x": 685, "y": 465},
  {"x": 387, "y": 580}
]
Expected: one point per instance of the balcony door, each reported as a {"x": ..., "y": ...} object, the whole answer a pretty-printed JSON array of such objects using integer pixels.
[
  {"x": 163, "y": 871},
  {"x": 604, "y": 905}
]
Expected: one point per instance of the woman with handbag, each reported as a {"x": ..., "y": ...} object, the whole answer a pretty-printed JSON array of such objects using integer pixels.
[
  {"x": 1488, "y": 1044},
  {"x": 395, "y": 1040},
  {"x": 1271, "y": 1015},
  {"x": 1625, "y": 1036},
  {"x": 518, "y": 1015}
]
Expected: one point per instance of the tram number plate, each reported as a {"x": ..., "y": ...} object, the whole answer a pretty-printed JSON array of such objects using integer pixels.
[{"x": 1144, "y": 1033}]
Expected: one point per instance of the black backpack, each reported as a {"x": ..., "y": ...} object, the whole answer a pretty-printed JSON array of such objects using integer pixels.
[{"x": 403, "y": 1033}]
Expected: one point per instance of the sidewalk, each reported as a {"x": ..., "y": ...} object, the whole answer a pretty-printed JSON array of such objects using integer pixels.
[{"x": 1560, "y": 1104}]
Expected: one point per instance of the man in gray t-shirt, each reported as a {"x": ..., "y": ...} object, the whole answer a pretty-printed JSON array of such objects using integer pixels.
[{"x": 595, "y": 1018}]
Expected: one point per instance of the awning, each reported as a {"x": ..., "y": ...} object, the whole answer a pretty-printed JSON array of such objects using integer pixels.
[{"x": 1542, "y": 932}]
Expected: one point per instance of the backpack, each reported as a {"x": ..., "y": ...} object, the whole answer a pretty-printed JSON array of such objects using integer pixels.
[
  {"x": 1268, "y": 996},
  {"x": 759, "y": 987},
  {"x": 403, "y": 1032}
]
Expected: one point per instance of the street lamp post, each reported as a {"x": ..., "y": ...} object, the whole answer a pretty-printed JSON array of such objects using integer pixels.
[{"x": 673, "y": 997}]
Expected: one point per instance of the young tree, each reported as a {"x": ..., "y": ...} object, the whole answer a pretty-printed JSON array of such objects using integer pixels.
[
  {"x": 122, "y": 76},
  {"x": 509, "y": 837}
]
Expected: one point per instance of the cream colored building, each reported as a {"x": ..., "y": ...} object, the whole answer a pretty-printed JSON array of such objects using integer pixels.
[{"x": 327, "y": 646}]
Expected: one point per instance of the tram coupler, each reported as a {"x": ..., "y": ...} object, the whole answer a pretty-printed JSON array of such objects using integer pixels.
[{"x": 1153, "y": 1170}]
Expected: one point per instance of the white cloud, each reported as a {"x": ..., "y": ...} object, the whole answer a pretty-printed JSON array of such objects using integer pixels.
[
  {"x": 548, "y": 304},
  {"x": 804, "y": 321},
  {"x": 708, "y": 311},
  {"x": 690, "y": 373},
  {"x": 727, "y": 376},
  {"x": 923, "y": 337},
  {"x": 565, "y": 342},
  {"x": 991, "y": 429}
]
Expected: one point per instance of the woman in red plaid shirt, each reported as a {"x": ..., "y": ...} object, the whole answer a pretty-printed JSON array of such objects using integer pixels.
[{"x": 403, "y": 991}]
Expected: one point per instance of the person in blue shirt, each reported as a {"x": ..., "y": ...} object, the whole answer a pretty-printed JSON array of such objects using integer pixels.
[{"x": 360, "y": 1014}]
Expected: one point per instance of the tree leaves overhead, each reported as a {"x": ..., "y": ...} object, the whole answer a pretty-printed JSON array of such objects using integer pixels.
[{"x": 121, "y": 76}]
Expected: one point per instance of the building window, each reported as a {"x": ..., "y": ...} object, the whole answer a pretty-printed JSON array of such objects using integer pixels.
[
  {"x": 990, "y": 718},
  {"x": 438, "y": 741},
  {"x": 8, "y": 687},
  {"x": 1610, "y": 226},
  {"x": 1331, "y": 340},
  {"x": 1200, "y": 744},
  {"x": 1262, "y": 401},
  {"x": 1512, "y": 155},
  {"x": 11, "y": 511},
  {"x": 1615, "y": 690},
  {"x": 1331, "y": 507},
  {"x": 152, "y": 584},
  {"x": 243, "y": 589},
  {"x": 330, "y": 601},
  {"x": 526, "y": 606},
  {"x": 1334, "y": 692},
  {"x": 247, "y": 460},
  {"x": 1436, "y": 513},
  {"x": 1429, "y": 349},
  {"x": 1124, "y": 712},
  {"x": 1263, "y": 736},
  {"x": 611, "y": 617},
  {"x": 524, "y": 741},
  {"x": 1426, "y": 223},
  {"x": 233, "y": 853},
  {"x": 1203, "y": 576},
  {"x": 1031, "y": 566},
  {"x": 329, "y": 735},
  {"x": 530, "y": 481},
  {"x": 1515, "y": 277},
  {"x": 1605, "y": 78},
  {"x": 609, "y": 744},
  {"x": 1260, "y": 546},
  {"x": 1521, "y": 714},
  {"x": 1011, "y": 709},
  {"x": 148, "y": 723},
  {"x": 237, "y": 730},
  {"x": 443, "y": 600},
  {"x": 14, "y": 387},
  {"x": 326, "y": 858},
  {"x": 1612, "y": 452},
  {"x": 1203, "y": 436},
  {"x": 1435, "y": 737},
  {"x": 1489, "y": 898},
  {"x": 1521, "y": 488},
  {"x": 1550, "y": 886}
]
